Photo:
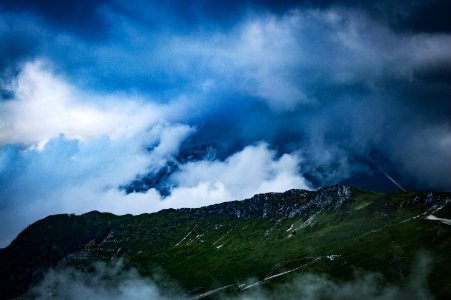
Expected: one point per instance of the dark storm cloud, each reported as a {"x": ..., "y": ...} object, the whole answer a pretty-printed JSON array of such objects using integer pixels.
[
  {"x": 406, "y": 15},
  {"x": 82, "y": 17},
  {"x": 19, "y": 42},
  {"x": 90, "y": 18},
  {"x": 69, "y": 28},
  {"x": 429, "y": 16},
  {"x": 435, "y": 72}
]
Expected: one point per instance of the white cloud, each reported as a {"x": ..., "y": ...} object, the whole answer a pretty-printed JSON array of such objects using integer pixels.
[
  {"x": 257, "y": 57},
  {"x": 69, "y": 176},
  {"x": 76, "y": 149},
  {"x": 45, "y": 106},
  {"x": 263, "y": 52},
  {"x": 255, "y": 169}
]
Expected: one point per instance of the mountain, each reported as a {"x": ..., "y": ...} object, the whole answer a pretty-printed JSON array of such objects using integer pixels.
[{"x": 267, "y": 240}]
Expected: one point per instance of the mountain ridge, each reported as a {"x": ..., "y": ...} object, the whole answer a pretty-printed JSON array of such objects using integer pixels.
[{"x": 293, "y": 226}]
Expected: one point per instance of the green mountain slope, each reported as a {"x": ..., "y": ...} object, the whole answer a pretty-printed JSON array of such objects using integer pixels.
[{"x": 271, "y": 237}]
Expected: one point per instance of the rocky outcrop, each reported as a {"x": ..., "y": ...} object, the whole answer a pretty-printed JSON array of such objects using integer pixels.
[
  {"x": 289, "y": 204},
  {"x": 430, "y": 200}
]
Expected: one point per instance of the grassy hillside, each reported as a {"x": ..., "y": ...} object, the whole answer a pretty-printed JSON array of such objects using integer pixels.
[{"x": 336, "y": 231}]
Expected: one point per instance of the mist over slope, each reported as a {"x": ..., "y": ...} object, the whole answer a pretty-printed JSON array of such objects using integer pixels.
[{"x": 113, "y": 281}]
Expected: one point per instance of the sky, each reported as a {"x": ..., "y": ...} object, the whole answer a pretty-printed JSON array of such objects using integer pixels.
[{"x": 137, "y": 106}]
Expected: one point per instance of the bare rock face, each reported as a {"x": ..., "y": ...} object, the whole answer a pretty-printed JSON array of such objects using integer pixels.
[
  {"x": 430, "y": 200},
  {"x": 333, "y": 196},
  {"x": 289, "y": 204}
]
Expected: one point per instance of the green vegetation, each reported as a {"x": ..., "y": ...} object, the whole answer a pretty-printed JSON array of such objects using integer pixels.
[{"x": 338, "y": 231}]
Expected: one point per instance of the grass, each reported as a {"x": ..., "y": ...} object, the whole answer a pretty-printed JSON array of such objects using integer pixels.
[{"x": 371, "y": 233}]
